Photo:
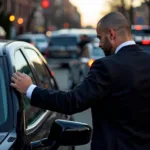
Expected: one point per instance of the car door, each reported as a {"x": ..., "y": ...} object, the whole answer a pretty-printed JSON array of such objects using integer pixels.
[
  {"x": 45, "y": 79},
  {"x": 36, "y": 120}
]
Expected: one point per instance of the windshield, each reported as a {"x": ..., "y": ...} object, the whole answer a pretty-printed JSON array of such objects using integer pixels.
[
  {"x": 63, "y": 41},
  {"x": 40, "y": 40},
  {"x": 96, "y": 51},
  {"x": 141, "y": 32},
  {"x": 25, "y": 40}
]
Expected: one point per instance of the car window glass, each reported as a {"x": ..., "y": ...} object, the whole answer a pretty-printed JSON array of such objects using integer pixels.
[
  {"x": 141, "y": 32},
  {"x": 32, "y": 114},
  {"x": 63, "y": 41},
  {"x": 40, "y": 68},
  {"x": 25, "y": 40},
  {"x": 3, "y": 101}
]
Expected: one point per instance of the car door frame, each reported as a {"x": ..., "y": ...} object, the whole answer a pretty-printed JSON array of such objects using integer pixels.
[
  {"x": 32, "y": 129},
  {"x": 16, "y": 95}
]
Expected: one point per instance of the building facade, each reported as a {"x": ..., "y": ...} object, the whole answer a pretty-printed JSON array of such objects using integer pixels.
[{"x": 22, "y": 11}]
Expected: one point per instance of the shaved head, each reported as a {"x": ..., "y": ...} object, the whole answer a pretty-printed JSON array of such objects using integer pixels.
[
  {"x": 113, "y": 30},
  {"x": 116, "y": 21}
]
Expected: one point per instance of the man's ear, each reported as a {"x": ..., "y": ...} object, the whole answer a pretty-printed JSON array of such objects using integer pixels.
[{"x": 112, "y": 34}]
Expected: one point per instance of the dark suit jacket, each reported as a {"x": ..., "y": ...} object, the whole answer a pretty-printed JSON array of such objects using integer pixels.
[{"x": 117, "y": 89}]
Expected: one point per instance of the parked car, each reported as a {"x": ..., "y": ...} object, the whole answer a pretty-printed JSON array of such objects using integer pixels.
[
  {"x": 38, "y": 40},
  {"x": 145, "y": 44},
  {"x": 78, "y": 68},
  {"x": 141, "y": 35},
  {"x": 140, "y": 32},
  {"x": 63, "y": 48},
  {"x": 23, "y": 126}
]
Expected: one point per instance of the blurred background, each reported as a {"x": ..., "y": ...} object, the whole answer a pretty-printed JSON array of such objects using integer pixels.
[
  {"x": 18, "y": 17},
  {"x": 64, "y": 32}
]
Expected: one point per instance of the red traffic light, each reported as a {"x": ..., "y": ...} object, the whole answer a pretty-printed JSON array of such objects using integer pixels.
[{"x": 45, "y": 3}]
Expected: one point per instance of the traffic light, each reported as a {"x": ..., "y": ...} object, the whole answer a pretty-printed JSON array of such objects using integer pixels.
[{"x": 45, "y": 3}]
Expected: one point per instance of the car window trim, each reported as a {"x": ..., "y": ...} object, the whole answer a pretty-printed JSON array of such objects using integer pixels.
[
  {"x": 31, "y": 128},
  {"x": 44, "y": 65},
  {"x": 29, "y": 63}
]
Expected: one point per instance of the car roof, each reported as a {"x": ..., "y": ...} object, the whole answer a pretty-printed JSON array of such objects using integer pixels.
[
  {"x": 7, "y": 45},
  {"x": 64, "y": 35},
  {"x": 30, "y": 36},
  {"x": 3, "y": 43}
]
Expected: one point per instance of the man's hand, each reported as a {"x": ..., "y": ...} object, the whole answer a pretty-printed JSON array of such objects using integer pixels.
[{"x": 21, "y": 82}]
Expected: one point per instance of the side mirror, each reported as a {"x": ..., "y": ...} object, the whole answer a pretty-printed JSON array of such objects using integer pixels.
[
  {"x": 65, "y": 133},
  {"x": 70, "y": 133}
]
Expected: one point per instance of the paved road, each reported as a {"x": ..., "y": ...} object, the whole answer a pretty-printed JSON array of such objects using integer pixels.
[{"x": 61, "y": 76}]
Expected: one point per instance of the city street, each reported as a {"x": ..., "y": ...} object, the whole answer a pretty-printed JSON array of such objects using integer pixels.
[
  {"x": 61, "y": 76},
  {"x": 70, "y": 39}
]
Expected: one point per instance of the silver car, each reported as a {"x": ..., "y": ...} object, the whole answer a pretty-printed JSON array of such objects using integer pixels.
[
  {"x": 38, "y": 40},
  {"x": 78, "y": 68}
]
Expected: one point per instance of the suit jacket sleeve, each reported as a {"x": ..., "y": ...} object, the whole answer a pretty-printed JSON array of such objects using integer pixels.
[{"x": 94, "y": 87}]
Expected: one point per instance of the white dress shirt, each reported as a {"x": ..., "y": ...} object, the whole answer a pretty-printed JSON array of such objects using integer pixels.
[
  {"x": 32, "y": 86},
  {"x": 124, "y": 44}
]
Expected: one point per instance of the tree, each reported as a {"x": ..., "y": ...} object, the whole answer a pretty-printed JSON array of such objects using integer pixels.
[
  {"x": 123, "y": 6},
  {"x": 131, "y": 14}
]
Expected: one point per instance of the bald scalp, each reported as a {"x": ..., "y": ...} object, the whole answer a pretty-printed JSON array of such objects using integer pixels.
[{"x": 116, "y": 21}]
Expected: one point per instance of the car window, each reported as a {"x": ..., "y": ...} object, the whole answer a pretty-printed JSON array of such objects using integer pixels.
[
  {"x": 25, "y": 40},
  {"x": 32, "y": 114},
  {"x": 3, "y": 99},
  {"x": 63, "y": 41},
  {"x": 40, "y": 68},
  {"x": 141, "y": 32}
]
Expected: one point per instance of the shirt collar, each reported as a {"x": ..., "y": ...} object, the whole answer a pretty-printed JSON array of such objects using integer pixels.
[{"x": 124, "y": 44}]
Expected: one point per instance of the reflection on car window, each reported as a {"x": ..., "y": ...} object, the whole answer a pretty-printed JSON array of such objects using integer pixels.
[
  {"x": 31, "y": 113},
  {"x": 3, "y": 99},
  {"x": 41, "y": 70}
]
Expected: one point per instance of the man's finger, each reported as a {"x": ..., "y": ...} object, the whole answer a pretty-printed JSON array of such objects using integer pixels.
[
  {"x": 13, "y": 85},
  {"x": 15, "y": 75},
  {"x": 24, "y": 74},
  {"x": 14, "y": 79},
  {"x": 19, "y": 74}
]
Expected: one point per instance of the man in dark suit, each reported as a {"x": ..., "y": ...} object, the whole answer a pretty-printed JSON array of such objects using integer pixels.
[{"x": 117, "y": 89}]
